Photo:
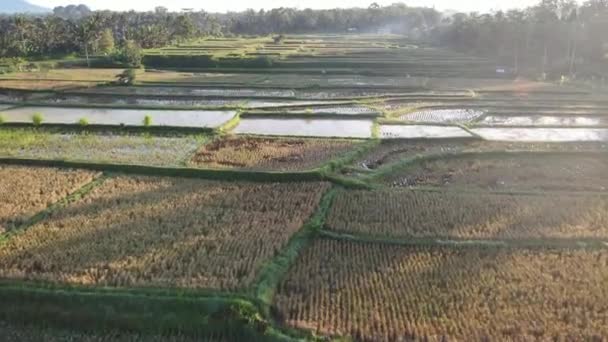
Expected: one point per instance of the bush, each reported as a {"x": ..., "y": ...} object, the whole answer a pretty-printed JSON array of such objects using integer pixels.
[
  {"x": 129, "y": 55},
  {"x": 8, "y": 65},
  {"x": 127, "y": 77},
  {"x": 106, "y": 42},
  {"x": 279, "y": 39},
  {"x": 37, "y": 119},
  {"x": 83, "y": 122},
  {"x": 147, "y": 121}
]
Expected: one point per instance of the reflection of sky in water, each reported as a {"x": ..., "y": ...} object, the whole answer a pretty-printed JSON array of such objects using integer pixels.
[
  {"x": 421, "y": 131},
  {"x": 306, "y": 127},
  {"x": 538, "y": 120},
  {"x": 543, "y": 134},
  {"x": 116, "y": 117}
]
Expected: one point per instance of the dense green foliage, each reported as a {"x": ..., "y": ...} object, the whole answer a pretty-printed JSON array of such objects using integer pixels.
[
  {"x": 76, "y": 30},
  {"x": 553, "y": 38}
]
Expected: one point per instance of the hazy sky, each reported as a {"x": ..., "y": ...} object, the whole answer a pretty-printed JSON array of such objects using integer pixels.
[{"x": 239, "y": 5}]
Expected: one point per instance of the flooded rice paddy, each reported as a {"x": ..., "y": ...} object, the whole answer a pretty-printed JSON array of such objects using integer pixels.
[
  {"x": 350, "y": 128},
  {"x": 421, "y": 131},
  {"x": 543, "y": 134},
  {"x": 119, "y": 117},
  {"x": 541, "y": 120}
]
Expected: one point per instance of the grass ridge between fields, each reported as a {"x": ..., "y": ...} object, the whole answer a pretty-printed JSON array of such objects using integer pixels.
[
  {"x": 589, "y": 243},
  {"x": 274, "y": 271}
]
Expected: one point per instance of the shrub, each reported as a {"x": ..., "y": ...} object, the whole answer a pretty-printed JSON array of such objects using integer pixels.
[
  {"x": 279, "y": 39},
  {"x": 106, "y": 42},
  {"x": 83, "y": 122},
  {"x": 12, "y": 64},
  {"x": 147, "y": 121},
  {"x": 127, "y": 77},
  {"x": 37, "y": 119},
  {"x": 129, "y": 55}
]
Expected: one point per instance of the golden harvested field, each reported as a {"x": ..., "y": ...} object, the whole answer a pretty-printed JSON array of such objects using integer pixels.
[
  {"x": 375, "y": 292},
  {"x": 71, "y": 74},
  {"x": 58, "y": 78},
  {"x": 509, "y": 172},
  {"x": 25, "y": 191},
  {"x": 163, "y": 232},
  {"x": 422, "y": 214},
  {"x": 270, "y": 153}
]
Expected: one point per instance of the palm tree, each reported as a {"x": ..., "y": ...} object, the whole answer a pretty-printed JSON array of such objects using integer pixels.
[{"x": 87, "y": 31}]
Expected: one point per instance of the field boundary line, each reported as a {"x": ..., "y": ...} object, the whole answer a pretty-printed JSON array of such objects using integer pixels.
[
  {"x": 348, "y": 157},
  {"x": 185, "y": 162},
  {"x": 186, "y": 172},
  {"x": 467, "y": 243},
  {"x": 159, "y": 292},
  {"x": 274, "y": 271},
  {"x": 76, "y": 127},
  {"x": 467, "y": 191},
  {"x": 189, "y": 108}
]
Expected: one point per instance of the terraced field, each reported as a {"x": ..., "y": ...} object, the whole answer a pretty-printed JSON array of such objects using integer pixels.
[
  {"x": 162, "y": 232},
  {"x": 506, "y": 172},
  {"x": 440, "y": 215},
  {"x": 27, "y": 191},
  {"x": 387, "y": 293},
  {"x": 111, "y": 148},
  {"x": 271, "y": 154},
  {"x": 362, "y": 187}
]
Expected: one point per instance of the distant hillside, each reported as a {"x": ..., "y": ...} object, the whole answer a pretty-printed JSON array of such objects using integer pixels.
[{"x": 21, "y": 6}]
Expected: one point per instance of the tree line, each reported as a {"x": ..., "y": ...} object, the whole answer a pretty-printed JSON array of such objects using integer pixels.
[
  {"x": 78, "y": 29},
  {"x": 554, "y": 38}
]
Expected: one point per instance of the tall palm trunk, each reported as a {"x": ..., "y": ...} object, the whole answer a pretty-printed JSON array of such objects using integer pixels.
[{"x": 86, "y": 54}]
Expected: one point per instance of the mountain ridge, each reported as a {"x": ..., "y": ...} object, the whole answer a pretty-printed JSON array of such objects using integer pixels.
[{"x": 21, "y": 6}]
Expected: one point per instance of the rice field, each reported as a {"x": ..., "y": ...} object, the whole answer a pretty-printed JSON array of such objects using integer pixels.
[
  {"x": 374, "y": 292},
  {"x": 421, "y": 131},
  {"x": 330, "y": 128},
  {"x": 104, "y": 147},
  {"x": 505, "y": 172},
  {"x": 352, "y": 186},
  {"x": 456, "y": 215},
  {"x": 116, "y": 117},
  {"x": 27, "y": 191},
  {"x": 162, "y": 232},
  {"x": 450, "y": 116},
  {"x": 270, "y": 154}
]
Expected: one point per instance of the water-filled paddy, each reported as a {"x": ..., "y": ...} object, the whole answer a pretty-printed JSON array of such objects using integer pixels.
[
  {"x": 350, "y": 128},
  {"x": 139, "y": 101},
  {"x": 118, "y": 117},
  {"x": 541, "y": 120},
  {"x": 543, "y": 134},
  {"x": 342, "y": 110},
  {"x": 421, "y": 131},
  {"x": 193, "y": 91},
  {"x": 443, "y": 115},
  {"x": 272, "y": 104}
]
